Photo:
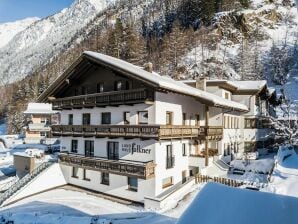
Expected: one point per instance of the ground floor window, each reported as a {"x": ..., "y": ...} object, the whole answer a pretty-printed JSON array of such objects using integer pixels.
[
  {"x": 75, "y": 172},
  {"x": 86, "y": 175},
  {"x": 132, "y": 183},
  {"x": 249, "y": 146},
  {"x": 105, "y": 178},
  {"x": 166, "y": 182}
]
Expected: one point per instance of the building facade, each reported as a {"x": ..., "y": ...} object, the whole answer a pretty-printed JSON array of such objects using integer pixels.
[
  {"x": 40, "y": 117},
  {"x": 132, "y": 133}
]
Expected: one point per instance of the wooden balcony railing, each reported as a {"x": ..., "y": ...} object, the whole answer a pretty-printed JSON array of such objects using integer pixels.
[
  {"x": 142, "y": 170},
  {"x": 212, "y": 132},
  {"x": 202, "y": 154},
  {"x": 127, "y": 131},
  {"x": 113, "y": 98}
]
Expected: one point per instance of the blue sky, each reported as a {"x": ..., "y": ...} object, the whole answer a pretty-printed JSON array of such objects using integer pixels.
[{"x": 12, "y": 10}]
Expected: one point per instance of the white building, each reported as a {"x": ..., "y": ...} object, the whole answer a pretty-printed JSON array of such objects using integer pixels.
[
  {"x": 132, "y": 133},
  {"x": 39, "y": 117}
]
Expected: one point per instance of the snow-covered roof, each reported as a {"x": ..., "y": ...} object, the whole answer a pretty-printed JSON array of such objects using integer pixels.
[
  {"x": 154, "y": 79},
  {"x": 236, "y": 86},
  {"x": 218, "y": 203},
  {"x": 39, "y": 108},
  {"x": 166, "y": 82}
]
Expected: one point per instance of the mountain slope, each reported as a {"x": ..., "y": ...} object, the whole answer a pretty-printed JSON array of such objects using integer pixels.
[
  {"x": 37, "y": 44},
  {"x": 9, "y": 30}
]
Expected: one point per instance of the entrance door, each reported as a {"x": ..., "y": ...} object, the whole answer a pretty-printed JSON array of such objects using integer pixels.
[{"x": 113, "y": 150}]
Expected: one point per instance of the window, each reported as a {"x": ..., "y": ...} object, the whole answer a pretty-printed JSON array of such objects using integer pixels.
[
  {"x": 132, "y": 183},
  {"x": 169, "y": 118},
  {"x": 89, "y": 148},
  {"x": 170, "y": 160},
  {"x": 118, "y": 85},
  {"x": 105, "y": 179},
  {"x": 227, "y": 95},
  {"x": 43, "y": 134},
  {"x": 100, "y": 87},
  {"x": 86, "y": 175},
  {"x": 184, "y": 119},
  {"x": 249, "y": 146},
  {"x": 143, "y": 117},
  {"x": 197, "y": 119},
  {"x": 126, "y": 117},
  {"x": 74, "y": 146},
  {"x": 43, "y": 120},
  {"x": 86, "y": 119},
  {"x": 184, "y": 178},
  {"x": 75, "y": 171},
  {"x": 167, "y": 182},
  {"x": 184, "y": 149},
  {"x": 106, "y": 118},
  {"x": 70, "y": 119},
  {"x": 250, "y": 123},
  {"x": 113, "y": 150}
]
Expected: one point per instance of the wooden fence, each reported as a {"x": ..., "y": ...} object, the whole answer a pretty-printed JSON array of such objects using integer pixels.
[{"x": 230, "y": 182}]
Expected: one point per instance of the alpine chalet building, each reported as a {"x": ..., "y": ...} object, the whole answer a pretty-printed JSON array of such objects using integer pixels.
[{"x": 131, "y": 133}]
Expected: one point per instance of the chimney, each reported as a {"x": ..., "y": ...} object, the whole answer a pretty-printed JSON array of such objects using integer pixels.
[
  {"x": 201, "y": 83},
  {"x": 148, "y": 67}
]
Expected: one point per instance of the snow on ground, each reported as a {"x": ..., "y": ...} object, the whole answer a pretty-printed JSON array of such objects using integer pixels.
[
  {"x": 284, "y": 179},
  {"x": 221, "y": 204},
  {"x": 262, "y": 165},
  {"x": 9, "y": 30},
  {"x": 69, "y": 206},
  {"x": 249, "y": 177},
  {"x": 65, "y": 206}
]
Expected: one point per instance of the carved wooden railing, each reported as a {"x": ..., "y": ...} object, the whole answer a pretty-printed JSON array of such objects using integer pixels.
[
  {"x": 129, "y": 131},
  {"x": 143, "y": 170},
  {"x": 104, "y": 99}
]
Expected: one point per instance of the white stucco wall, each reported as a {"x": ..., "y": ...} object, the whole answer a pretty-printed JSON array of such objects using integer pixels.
[{"x": 178, "y": 104}]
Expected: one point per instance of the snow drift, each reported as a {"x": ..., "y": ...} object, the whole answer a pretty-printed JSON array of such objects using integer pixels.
[{"x": 221, "y": 204}]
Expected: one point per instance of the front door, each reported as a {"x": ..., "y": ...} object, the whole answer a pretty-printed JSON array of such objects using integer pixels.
[{"x": 113, "y": 150}]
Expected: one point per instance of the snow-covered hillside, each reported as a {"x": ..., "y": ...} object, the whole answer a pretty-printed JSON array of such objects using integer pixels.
[
  {"x": 9, "y": 30},
  {"x": 44, "y": 39}
]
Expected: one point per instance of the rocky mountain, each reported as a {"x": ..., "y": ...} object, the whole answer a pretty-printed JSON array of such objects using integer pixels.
[
  {"x": 29, "y": 46},
  {"x": 9, "y": 30}
]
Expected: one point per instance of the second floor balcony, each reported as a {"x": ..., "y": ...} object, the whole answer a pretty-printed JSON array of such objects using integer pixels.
[
  {"x": 160, "y": 132},
  {"x": 128, "y": 131},
  {"x": 113, "y": 98},
  {"x": 142, "y": 170},
  {"x": 39, "y": 127}
]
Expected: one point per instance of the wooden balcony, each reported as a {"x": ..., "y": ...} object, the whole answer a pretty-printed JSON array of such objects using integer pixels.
[
  {"x": 142, "y": 170},
  {"x": 113, "y": 98},
  {"x": 127, "y": 131},
  {"x": 211, "y": 133}
]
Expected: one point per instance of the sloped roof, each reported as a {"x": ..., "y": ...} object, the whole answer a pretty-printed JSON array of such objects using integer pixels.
[
  {"x": 155, "y": 80},
  {"x": 218, "y": 203},
  {"x": 235, "y": 86}
]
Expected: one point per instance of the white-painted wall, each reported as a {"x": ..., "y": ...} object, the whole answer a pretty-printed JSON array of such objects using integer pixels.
[{"x": 178, "y": 104}]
